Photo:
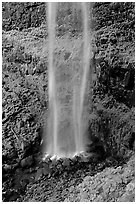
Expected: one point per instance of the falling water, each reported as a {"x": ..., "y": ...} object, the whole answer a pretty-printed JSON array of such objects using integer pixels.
[
  {"x": 52, "y": 131},
  {"x": 65, "y": 134},
  {"x": 86, "y": 65},
  {"x": 78, "y": 100}
]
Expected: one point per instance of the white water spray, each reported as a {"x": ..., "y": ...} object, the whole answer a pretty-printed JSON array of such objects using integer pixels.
[
  {"x": 52, "y": 128},
  {"x": 66, "y": 141}
]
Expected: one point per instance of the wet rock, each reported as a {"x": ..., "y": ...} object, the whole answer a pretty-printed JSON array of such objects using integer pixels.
[
  {"x": 7, "y": 167},
  {"x": 46, "y": 168},
  {"x": 14, "y": 166},
  {"x": 74, "y": 160},
  {"x": 48, "y": 161},
  {"x": 46, "y": 171},
  {"x": 27, "y": 162},
  {"x": 59, "y": 168},
  {"x": 28, "y": 148},
  {"x": 96, "y": 147},
  {"x": 54, "y": 162},
  {"x": 38, "y": 174},
  {"x": 24, "y": 183},
  {"x": 86, "y": 157},
  {"x": 66, "y": 163},
  {"x": 14, "y": 196}
]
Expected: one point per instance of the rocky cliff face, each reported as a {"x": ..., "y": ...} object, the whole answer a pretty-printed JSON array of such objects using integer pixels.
[
  {"x": 114, "y": 27},
  {"x": 115, "y": 37},
  {"x": 25, "y": 98},
  {"x": 19, "y": 16}
]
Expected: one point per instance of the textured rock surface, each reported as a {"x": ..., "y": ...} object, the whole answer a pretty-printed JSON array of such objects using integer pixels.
[
  {"x": 110, "y": 185},
  {"x": 23, "y": 15},
  {"x": 24, "y": 105},
  {"x": 115, "y": 38},
  {"x": 81, "y": 183}
]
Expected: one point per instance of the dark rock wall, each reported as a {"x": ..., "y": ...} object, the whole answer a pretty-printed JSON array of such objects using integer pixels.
[
  {"x": 115, "y": 42},
  {"x": 23, "y": 15}
]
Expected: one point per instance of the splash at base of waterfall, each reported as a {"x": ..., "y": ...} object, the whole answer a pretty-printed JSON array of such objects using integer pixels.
[{"x": 57, "y": 157}]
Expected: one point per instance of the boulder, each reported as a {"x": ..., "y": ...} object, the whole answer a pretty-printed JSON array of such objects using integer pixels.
[{"x": 27, "y": 162}]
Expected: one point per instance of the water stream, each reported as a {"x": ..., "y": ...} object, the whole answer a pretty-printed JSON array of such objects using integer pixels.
[{"x": 66, "y": 91}]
